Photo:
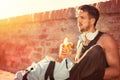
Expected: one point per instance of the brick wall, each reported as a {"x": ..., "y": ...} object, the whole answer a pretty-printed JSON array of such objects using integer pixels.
[
  {"x": 28, "y": 38},
  {"x": 110, "y": 19}
]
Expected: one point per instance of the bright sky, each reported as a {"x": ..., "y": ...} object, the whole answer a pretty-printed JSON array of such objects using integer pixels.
[{"x": 11, "y": 8}]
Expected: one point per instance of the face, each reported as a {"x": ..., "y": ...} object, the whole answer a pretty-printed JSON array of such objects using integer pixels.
[{"x": 83, "y": 21}]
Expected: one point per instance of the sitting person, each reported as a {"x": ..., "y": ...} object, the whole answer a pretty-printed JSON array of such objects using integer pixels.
[
  {"x": 50, "y": 69},
  {"x": 96, "y": 57}
]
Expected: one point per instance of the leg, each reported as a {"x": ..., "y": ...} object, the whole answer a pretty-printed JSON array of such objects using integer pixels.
[{"x": 91, "y": 67}]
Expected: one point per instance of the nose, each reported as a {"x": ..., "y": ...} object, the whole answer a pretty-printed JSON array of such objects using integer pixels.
[
  {"x": 78, "y": 25},
  {"x": 79, "y": 21}
]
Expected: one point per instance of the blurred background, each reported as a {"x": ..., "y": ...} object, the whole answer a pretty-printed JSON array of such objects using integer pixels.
[{"x": 30, "y": 30}]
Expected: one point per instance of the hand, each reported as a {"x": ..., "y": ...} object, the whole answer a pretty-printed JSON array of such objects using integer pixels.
[{"x": 65, "y": 50}]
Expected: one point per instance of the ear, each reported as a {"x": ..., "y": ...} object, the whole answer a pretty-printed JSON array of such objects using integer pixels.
[{"x": 92, "y": 21}]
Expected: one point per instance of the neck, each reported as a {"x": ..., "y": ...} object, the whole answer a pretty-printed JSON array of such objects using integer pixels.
[
  {"x": 92, "y": 29},
  {"x": 89, "y": 35}
]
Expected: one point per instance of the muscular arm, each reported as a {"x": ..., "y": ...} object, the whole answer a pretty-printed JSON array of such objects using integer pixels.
[{"x": 112, "y": 57}]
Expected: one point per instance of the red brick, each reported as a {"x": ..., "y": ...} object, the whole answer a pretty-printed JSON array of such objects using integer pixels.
[
  {"x": 25, "y": 60},
  {"x": 37, "y": 49},
  {"x": 21, "y": 19},
  {"x": 53, "y": 50},
  {"x": 111, "y": 6},
  {"x": 43, "y": 36}
]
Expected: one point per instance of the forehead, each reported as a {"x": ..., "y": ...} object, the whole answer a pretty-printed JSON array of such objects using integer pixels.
[{"x": 82, "y": 13}]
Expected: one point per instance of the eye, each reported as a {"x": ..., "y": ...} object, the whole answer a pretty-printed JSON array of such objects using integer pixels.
[{"x": 82, "y": 17}]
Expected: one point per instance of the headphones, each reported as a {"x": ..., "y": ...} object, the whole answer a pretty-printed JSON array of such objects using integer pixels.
[{"x": 90, "y": 36}]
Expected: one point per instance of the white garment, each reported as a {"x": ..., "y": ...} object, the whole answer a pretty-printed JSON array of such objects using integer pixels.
[
  {"x": 39, "y": 70},
  {"x": 79, "y": 48},
  {"x": 82, "y": 38}
]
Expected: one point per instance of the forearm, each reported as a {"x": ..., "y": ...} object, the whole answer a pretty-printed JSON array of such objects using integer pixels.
[{"x": 111, "y": 73}]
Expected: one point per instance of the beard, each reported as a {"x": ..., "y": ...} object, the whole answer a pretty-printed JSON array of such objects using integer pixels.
[{"x": 84, "y": 29}]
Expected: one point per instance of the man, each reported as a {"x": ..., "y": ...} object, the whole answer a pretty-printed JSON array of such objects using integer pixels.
[
  {"x": 96, "y": 56},
  {"x": 87, "y": 19}
]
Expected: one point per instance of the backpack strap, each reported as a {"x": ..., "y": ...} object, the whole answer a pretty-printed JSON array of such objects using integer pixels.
[
  {"x": 50, "y": 71},
  {"x": 94, "y": 41},
  {"x": 25, "y": 75}
]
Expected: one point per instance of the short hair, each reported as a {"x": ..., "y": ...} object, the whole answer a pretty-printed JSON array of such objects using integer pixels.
[{"x": 92, "y": 11}]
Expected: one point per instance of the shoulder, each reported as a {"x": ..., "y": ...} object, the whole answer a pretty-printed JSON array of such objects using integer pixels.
[
  {"x": 107, "y": 38},
  {"x": 106, "y": 41}
]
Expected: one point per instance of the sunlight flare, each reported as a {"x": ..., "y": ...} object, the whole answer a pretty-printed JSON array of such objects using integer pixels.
[{"x": 10, "y": 8}]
